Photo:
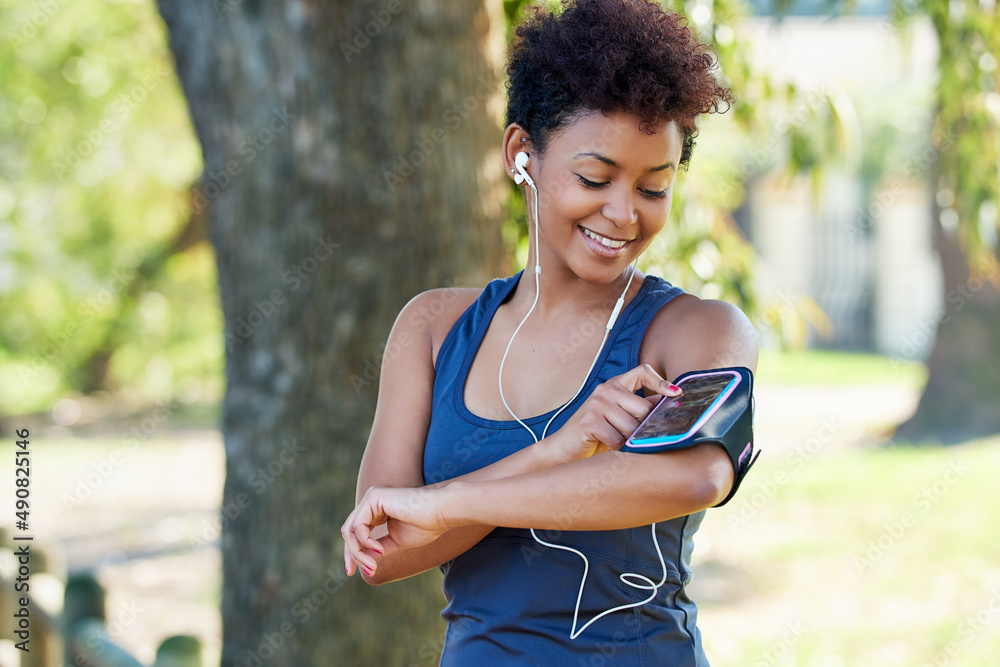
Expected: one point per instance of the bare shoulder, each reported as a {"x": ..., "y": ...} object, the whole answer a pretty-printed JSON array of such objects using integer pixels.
[
  {"x": 394, "y": 454},
  {"x": 432, "y": 314},
  {"x": 691, "y": 333}
]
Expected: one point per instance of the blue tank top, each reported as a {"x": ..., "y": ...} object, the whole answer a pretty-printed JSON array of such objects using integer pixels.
[{"x": 510, "y": 600}]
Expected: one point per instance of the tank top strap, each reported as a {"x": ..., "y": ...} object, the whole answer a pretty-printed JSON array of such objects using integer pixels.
[
  {"x": 622, "y": 350},
  {"x": 468, "y": 331},
  {"x": 620, "y": 354}
]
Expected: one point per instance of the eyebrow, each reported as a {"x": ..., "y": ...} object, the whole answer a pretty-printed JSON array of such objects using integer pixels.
[{"x": 608, "y": 161}]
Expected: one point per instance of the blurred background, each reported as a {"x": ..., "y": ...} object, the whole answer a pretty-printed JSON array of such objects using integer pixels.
[{"x": 210, "y": 214}]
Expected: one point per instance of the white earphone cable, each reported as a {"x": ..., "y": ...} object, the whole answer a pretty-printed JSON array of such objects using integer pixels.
[
  {"x": 538, "y": 272},
  {"x": 648, "y": 583}
]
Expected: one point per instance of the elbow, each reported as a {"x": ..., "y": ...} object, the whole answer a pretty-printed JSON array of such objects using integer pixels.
[
  {"x": 709, "y": 479},
  {"x": 712, "y": 492},
  {"x": 374, "y": 579},
  {"x": 386, "y": 572},
  {"x": 718, "y": 480}
]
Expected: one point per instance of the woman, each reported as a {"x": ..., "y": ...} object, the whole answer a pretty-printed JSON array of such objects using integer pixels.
[{"x": 485, "y": 422}]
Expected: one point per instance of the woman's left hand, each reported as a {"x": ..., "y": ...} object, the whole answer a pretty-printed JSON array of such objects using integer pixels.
[{"x": 413, "y": 518}]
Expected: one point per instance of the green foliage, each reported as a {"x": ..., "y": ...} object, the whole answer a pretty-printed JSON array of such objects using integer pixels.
[
  {"x": 98, "y": 155},
  {"x": 968, "y": 118},
  {"x": 702, "y": 249}
]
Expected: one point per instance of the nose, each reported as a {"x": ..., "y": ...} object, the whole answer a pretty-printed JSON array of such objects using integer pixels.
[{"x": 619, "y": 208}]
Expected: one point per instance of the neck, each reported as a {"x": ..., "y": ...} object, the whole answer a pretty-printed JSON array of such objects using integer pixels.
[{"x": 563, "y": 292}]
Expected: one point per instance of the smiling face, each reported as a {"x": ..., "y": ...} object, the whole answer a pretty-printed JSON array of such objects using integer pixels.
[{"x": 605, "y": 188}]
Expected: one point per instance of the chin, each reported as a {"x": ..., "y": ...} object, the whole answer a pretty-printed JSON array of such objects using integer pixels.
[{"x": 603, "y": 275}]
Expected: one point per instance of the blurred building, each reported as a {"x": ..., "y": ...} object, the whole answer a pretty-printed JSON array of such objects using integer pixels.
[{"x": 860, "y": 245}]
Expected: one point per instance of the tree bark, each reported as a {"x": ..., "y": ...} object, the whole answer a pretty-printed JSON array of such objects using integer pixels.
[
  {"x": 962, "y": 393},
  {"x": 963, "y": 388},
  {"x": 354, "y": 149}
]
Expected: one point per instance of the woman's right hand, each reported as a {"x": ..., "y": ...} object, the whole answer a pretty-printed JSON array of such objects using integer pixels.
[{"x": 610, "y": 415}]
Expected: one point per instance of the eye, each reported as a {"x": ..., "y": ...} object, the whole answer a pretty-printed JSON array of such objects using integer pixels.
[
  {"x": 590, "y": 184},
  {"x": 654, "y": 194}
]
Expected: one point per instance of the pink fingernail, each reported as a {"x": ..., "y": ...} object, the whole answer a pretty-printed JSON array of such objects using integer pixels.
[
  {"x": 673, "y": 387},
  {"x": 347, "y": 569},
  {"x": 367, "y": 570},
  {"x": 379, "y": 552}
]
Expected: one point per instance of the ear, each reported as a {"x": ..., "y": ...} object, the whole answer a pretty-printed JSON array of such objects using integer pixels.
[{"x": 515, "y": 140}]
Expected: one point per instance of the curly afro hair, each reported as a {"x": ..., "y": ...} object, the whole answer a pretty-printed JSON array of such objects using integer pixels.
[{"x": 610, "y": 55}]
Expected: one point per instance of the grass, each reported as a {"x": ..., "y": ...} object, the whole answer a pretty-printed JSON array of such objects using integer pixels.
[{"x": 861, "y": 557}]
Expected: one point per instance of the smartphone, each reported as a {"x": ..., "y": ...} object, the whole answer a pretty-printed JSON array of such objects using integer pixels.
[{"x": 675, "y": 419}]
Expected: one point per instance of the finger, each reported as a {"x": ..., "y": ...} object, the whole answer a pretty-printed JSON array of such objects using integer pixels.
[
  {"x": 376, "y": 556},
  {"x": 617, "y": 396},
  {"x": 352, "y": 543},
  {"x": 376, "y": 550},
  {"x": 645, "y": 376},
  {"x": 607, "y": 434},
  {"x": 354, "y": 549},
  {"x": 639, "y": 407},
  {"x": 368, "y": 542},
  {"x": 365, "y": 559},
  {"x": 388, "y": 542},
  {"x": 388, "y": 545},
  {"x": 624, "y": 422},
  {"x": 351, "y": 564},
  {"x": 641, "y": 376},
  {"x": 348, "y": 562},
  {"x": 368, "y": 518}
]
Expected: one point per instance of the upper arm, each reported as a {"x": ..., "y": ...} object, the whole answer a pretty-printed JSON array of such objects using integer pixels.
[
  {"x": 705, "y": 334},
  {"x": 702, "y": 334},
  {"x": 394, "y": 454}
]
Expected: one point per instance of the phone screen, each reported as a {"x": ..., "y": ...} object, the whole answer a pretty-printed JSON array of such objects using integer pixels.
[{"x": 674, "y": 418}]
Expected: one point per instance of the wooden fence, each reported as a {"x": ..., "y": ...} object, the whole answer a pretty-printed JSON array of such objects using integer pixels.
[{"x": 67, "y": 621}]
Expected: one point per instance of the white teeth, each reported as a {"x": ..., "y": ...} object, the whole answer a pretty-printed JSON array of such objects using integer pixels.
[{"x": 608, "y": 243}]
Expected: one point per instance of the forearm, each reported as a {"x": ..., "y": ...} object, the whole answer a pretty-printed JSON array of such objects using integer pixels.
[
  {"x": 608, "y": 491},
  {"x": 538, "y": 456},
  {"x": 410, "y": 562}
]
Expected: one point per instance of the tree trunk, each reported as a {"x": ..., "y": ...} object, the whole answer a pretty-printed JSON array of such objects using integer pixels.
[
  {"x": 963, "y": 387},
  {"x": 353, "y": 149}
]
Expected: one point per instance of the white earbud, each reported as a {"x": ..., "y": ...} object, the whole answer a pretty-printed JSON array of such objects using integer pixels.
[{"x": 520, "y": 162}]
